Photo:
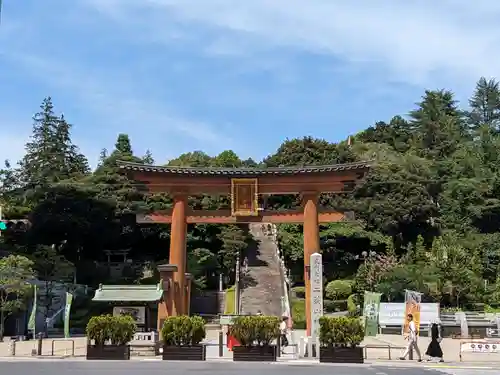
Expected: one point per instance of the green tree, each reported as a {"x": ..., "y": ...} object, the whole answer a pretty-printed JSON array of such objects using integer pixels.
[
  {"x": 485, "y": 104},
  {"x": 233, "y": 242},
  {"x": 50, "y": 154},
  {"x": 15, "y": 274},
  {"x": 227, "y": 159},
  {"x": 53, "y": 271},
  {"x": 438, "y": 124},
  {"x": 191, "y": 159}
]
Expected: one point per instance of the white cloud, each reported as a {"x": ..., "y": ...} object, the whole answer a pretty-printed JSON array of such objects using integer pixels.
[
  {"x": 112, "y": 98},
  {"x": 413, "y": 42}
]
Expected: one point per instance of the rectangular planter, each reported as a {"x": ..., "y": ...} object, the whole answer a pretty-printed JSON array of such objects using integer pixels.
[
  {"x": 255, "y": 353},
  {"x": 184, "y": 353},
  {"x": 341, "y": 355},
  {"x": 116, "y": 352}
]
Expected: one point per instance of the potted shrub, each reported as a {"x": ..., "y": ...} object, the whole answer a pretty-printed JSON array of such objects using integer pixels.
[
  {"x": 339, "y": 339},
  {"x": 108, "y": 337},
  {"x": 182, "y": 336},
  {"x": 256, "y": 335}
]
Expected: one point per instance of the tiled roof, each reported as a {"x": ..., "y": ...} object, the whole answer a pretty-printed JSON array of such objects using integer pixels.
[
  {"x": 128, "y": 293},
  {"x": 244, "y": 171}
]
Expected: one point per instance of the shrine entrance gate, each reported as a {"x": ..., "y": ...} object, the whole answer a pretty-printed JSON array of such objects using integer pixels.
[{"x": 244, "y": 186}]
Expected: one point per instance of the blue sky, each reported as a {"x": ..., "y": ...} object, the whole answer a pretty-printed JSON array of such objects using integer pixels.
[{"x": 184, "y": 75}]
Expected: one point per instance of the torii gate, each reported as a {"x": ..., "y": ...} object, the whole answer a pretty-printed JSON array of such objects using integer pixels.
[{"x": 244, "y": 185}]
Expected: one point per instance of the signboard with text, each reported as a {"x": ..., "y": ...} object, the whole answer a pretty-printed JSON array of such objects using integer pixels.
[
  {"x": 316, "y": 273},
  {"x": 393, "y": 314}
]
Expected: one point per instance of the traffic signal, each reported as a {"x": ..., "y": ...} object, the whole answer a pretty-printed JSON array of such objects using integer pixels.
[{"x": 18, "y": 225}]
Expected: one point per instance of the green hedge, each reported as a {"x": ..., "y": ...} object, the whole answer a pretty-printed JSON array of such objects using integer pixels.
[
  {"x": 338, "y": 290},
  {"x": 117, "y": 329},
  {"x": 183, "y": 330},
  {"x": 255, "y": 330},
  {"x": 340, "y": 331},
  {"x": 298, "y": 307},
  {"x": 334, "y": 306}
]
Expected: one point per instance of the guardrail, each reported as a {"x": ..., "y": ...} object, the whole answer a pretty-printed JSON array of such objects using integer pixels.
[
  {"x": 65, "y": 348},
  {"x": 285, "y": 298}
]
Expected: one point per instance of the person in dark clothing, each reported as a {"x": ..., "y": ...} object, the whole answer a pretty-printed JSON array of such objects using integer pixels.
[{"x": 434, "y": 349}]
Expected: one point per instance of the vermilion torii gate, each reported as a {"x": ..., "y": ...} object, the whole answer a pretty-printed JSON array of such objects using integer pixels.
[{"x": 243, "y": 185}]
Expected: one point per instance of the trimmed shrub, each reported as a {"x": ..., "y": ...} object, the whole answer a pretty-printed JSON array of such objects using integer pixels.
[
  {"x": 183, "y": 330},
  {"x": 338, "y": 290},
  {"x": 334, "y": 306},
  {"x": 119, "y": 330},
  {"x": 340, "y": 331},
  {"x": 256, "y": 330},
  {"x": 352, "y": 304},
  {"x": 300, "y": 291}
]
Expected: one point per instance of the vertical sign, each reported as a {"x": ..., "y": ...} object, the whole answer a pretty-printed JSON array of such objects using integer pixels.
[
  {"x": 370, "y": 312},
  {"x": 316, "y": 273},
  {"x": 412, "y": 306},
  {"x": 32, "y": 320},
  {"x": 67, "y": 309}
]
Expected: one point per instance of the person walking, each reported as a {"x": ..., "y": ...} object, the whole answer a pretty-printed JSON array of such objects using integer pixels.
[
  {"x": 412, "y": 339},
  {"x": 283, "y": 333},
  {"x": 434, "y": 349}
]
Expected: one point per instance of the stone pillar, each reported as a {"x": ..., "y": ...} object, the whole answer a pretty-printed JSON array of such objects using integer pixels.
[
  {"x": 311, "y": 245},
  {"x": 178, "y": 250},
  {"x": 166, "y": 304},
  {"x": 187, "y": 294}
]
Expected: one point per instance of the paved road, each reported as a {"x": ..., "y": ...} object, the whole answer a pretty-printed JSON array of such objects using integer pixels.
[{"x": 48, "y": 367}]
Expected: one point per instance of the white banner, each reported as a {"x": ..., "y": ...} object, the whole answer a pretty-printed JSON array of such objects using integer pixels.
[
  {"x": 136, "y": 312},
  {"x": 316, "y": 292},
  {"x": 393, "y": 314}
]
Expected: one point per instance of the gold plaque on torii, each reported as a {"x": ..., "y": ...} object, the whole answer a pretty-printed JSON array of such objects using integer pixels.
[{"x": 244, "y": 197}]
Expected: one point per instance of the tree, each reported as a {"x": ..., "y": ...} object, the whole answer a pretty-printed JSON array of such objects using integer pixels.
[
  {"x": 227, "y": 159},
  {"x": 53, "y": 271},
  {"x": 191, "y": 159},
  {"x": 202, "y": 263},
  {"x": 438, "y": 124},
  {"x": 233, "y": 242},
  {"x": 50, "y": 155},
  {"x": 123, "y": 145},
  {"x": 15, "y": 274},
  {"x": 148, "y": 158},
  {"x": 485, "y": 104}
]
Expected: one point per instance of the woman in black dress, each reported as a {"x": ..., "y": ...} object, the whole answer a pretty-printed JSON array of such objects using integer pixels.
[{"x": 434, "y": 349}]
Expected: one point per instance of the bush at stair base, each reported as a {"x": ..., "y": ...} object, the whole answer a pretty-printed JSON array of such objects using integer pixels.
[
  {"x": 339, "y": 339},
  {"x": 256, "y": 335},
  {"x": 109, "y": 336},
  {"x": 182, "y": 337},
  {"x": 338, "y": 290}
]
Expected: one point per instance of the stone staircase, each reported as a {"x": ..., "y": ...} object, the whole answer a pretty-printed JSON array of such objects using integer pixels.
[{"x": 261, "y": 284}]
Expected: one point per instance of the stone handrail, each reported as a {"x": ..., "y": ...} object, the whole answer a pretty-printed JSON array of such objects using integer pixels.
[{"x": 285, "y": 298}]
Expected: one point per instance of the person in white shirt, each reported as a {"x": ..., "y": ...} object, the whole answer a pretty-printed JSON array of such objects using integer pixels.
[
  {"x": 412, "y": 339},
  {"x": 283, "y": 332}
]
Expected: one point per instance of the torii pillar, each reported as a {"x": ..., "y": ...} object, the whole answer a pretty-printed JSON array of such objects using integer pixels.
[
  {"x": 311, "y": 245},
  {"x": 178, "y": 234},
  {"x": 176, "y": 292}
]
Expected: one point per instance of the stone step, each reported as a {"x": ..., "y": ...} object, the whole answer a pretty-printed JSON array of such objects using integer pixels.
[{"x": 261, "y": 285}]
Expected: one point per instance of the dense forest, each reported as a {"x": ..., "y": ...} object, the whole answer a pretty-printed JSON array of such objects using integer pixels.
[{"x": 427, "y": 215}]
